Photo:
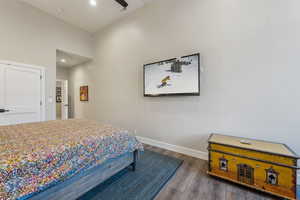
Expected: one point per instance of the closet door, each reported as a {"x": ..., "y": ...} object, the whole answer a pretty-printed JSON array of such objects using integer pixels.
[{"x": 20, "y": 95}]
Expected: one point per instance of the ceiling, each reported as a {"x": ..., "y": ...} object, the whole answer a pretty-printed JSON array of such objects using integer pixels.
[
  {"x": 81, "y": 14},
  {"x": 70, "y": 59}
]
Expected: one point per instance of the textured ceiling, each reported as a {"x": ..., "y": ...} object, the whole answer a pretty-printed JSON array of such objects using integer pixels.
[{"x": 84, "y": 16}]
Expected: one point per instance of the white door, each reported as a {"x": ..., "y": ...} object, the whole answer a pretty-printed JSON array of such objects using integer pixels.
[
  {"x": 20, "y": 95},
  {"x": 65, "y": 100}
]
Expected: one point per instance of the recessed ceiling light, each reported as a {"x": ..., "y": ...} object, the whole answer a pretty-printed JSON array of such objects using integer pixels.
[
  {"x": 93, "y": 3},
  {"x": 63, "y": 60}
]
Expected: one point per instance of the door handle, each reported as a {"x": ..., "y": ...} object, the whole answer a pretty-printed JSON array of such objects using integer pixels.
[{"x": 3, "y": 110}]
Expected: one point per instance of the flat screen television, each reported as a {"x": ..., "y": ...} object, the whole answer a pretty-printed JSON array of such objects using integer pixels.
[{"x": 177, "y": 76}]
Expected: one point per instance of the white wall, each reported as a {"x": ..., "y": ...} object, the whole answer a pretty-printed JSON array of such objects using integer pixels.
[
  {"x": 249, "y": 84},
  {"x": 29, "y": 36},
  {"x": 82, "y": 75}
]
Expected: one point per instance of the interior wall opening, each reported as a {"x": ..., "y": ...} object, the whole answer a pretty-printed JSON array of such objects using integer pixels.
[{"x": 66, "y": 87}]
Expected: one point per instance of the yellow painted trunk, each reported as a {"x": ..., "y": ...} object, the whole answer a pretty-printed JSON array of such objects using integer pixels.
[{"x": 264, "y": 171}]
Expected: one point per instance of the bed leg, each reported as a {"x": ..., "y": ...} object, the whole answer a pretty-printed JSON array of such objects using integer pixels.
[{"x": 133, "y": 165}]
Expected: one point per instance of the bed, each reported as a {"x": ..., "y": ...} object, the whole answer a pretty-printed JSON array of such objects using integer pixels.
[{"x": 61, "y": 159}]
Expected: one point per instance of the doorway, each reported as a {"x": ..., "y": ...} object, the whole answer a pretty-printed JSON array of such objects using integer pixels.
[
  {"x": 62, "y": 100},
  {"x": 67, "y": 81}
]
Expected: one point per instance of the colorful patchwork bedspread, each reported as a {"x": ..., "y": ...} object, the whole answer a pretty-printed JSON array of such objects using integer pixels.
[{"x": 36, "y": 156}]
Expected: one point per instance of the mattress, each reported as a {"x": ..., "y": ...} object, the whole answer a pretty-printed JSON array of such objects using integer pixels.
[{"x": 36, "y": 156}]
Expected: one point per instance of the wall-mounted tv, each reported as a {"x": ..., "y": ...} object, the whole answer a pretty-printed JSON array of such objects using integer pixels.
[{"x": 173, "y": 77}]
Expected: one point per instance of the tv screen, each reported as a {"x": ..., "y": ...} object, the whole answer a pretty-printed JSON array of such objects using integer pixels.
[{"x": 173, "y": 77}]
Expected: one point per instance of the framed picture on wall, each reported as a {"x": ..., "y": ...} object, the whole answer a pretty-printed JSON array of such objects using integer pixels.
[
  {"x": 84, "y": 93},
  {"x": 177, "y": 76}
]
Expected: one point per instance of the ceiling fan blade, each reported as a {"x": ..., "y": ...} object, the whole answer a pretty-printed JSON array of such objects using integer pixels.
[{"x": 122, "y": 3}]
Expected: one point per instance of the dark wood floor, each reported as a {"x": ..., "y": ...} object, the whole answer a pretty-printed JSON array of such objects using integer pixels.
[{"x": 192, "y": 183}]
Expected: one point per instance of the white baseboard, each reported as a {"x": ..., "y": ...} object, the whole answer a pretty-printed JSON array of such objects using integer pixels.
[{"x": 171, "y": 147}]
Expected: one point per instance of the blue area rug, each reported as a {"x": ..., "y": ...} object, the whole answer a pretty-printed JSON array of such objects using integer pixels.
[
  {"x": 298, "y": 192},
  {"x": 152, "y": 173}
]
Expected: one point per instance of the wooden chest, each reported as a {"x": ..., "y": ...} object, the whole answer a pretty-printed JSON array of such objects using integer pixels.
[{"x": 265, "y": 166}]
